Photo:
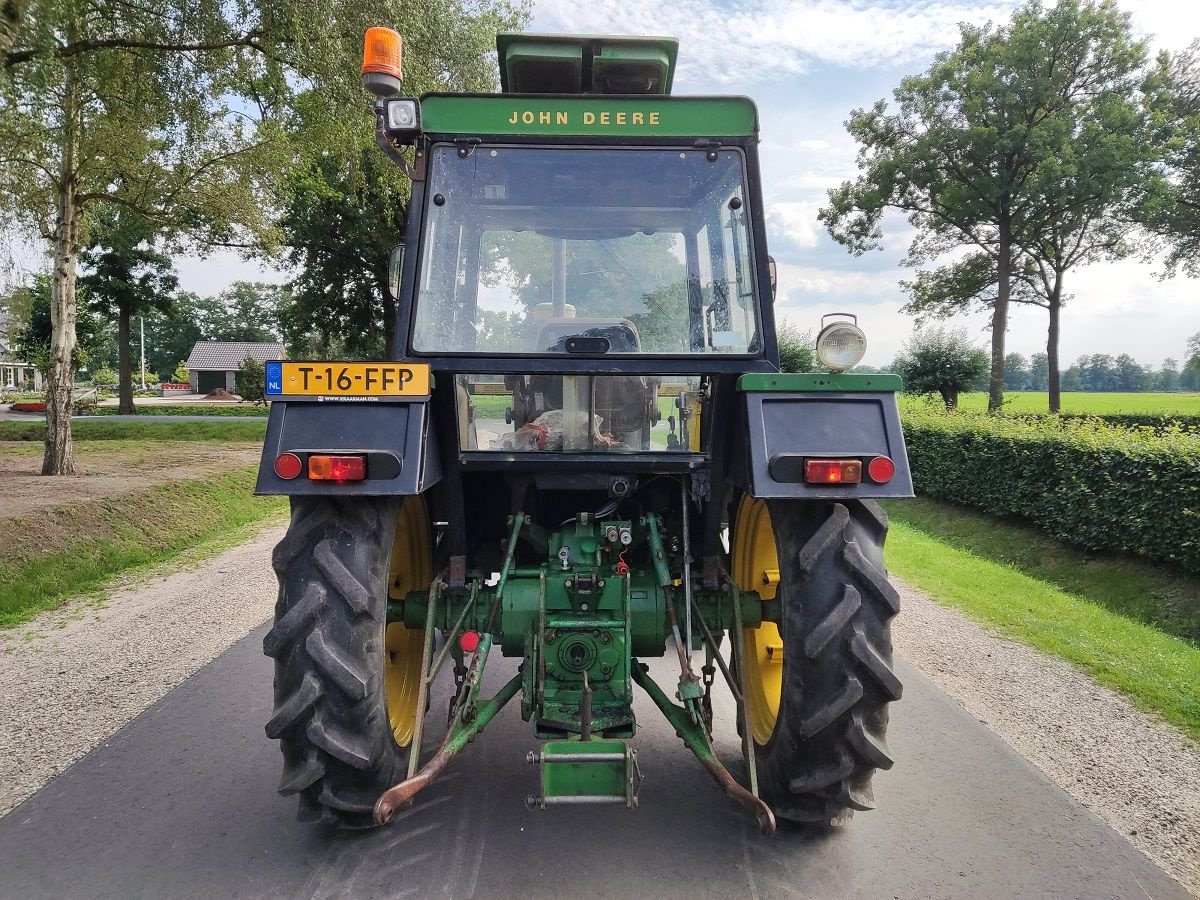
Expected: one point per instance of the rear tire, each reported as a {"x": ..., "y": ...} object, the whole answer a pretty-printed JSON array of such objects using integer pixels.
[
  {"x": 829, "y": 734},
  {"x": 330, "y": 712}
]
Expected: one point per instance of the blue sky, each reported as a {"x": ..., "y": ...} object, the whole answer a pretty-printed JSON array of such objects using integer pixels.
[{"x": 807, "y": 63}]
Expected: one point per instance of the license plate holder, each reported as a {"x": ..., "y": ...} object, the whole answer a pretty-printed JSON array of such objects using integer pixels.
[{"x": 364, "y": 382}]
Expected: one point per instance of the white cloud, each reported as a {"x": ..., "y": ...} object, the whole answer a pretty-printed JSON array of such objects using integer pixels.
[
  {"x": 761, "y": 39},
  {"x": 794, "y": 223}
]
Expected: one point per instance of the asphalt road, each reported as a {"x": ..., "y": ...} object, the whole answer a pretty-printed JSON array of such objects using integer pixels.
[{"x": 181, "y": 803}]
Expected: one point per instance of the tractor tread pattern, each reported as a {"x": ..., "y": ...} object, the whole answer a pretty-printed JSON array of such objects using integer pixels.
[
  {"x": 327, "y": 642},
  {"x": 292, "y": 708},
  {"x": 838, "y": 677}
]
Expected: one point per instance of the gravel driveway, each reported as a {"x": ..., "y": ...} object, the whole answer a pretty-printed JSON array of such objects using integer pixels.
[{"x": 72, "y": 678}]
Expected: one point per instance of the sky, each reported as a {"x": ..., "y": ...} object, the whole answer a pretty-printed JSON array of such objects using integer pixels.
[{"x": 807, "y": 64}]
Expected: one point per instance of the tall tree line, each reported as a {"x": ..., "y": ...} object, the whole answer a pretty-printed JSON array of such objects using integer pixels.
[
  {"x": 189, "y": 115},
  {"x": 1030, "y": 149}
]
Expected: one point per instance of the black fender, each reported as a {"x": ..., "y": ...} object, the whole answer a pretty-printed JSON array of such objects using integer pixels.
[
  {"x": 784, "y": 427},
  {"x": 398, "y": 440}
]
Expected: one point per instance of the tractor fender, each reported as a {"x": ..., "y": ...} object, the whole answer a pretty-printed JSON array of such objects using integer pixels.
[
  {"x": 784, "y": 428},
  {"x": 397, "y": 439}
]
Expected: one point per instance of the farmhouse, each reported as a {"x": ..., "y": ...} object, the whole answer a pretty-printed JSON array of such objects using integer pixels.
[
  {"x": 214, "y": 364},
  {"x": 15, "y": 374}
]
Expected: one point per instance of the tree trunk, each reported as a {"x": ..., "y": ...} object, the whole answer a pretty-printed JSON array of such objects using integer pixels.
[
  {"x": 949, "y": 397},
  {"x": 59, "y": 456},
  {"x": 1000, "y": 319},
  {"x": 1052, "y": 347},
  {"x": 124, "y": 365}
]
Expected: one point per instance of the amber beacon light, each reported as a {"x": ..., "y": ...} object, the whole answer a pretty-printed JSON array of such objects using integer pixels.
[{"x": 383, "y": 56}]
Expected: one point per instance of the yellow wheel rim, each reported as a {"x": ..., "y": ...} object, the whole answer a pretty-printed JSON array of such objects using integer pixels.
[
  {"x": 756, "y": 568},
  {"x": 411, "y": 569}
]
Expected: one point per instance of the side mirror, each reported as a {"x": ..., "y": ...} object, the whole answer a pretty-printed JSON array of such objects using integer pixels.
[
  {"x": 774, "y": 277},
  {"x": 395, "y": 268}
]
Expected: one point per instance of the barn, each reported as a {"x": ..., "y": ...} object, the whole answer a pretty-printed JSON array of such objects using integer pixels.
[{"x": 215, "y": 364}]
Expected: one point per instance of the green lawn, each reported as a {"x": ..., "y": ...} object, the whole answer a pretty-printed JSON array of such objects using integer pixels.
[
  {"x": 1031, "y": 401},
  {"x": 220, "y": 429},
  {"x": 1159, "y": 672}
]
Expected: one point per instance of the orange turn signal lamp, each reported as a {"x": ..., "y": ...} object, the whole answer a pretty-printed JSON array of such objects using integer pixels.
[{"x": 833, "y": 471}]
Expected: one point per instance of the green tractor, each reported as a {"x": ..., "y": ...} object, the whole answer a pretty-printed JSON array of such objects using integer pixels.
[{"x": 582, "y": 454}]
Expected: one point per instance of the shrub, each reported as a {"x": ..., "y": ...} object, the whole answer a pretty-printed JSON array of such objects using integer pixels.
[
  {"x": 1090, "y": 484},
  {"x": 796, "y": 353},
  {"x": 105, "y": 376},
  {"x": 252, "y": 381},
  {"x": 941, "y": 361}
]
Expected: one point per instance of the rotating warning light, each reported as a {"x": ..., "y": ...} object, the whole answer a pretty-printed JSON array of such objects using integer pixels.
[{"x": 383, "y": 56}]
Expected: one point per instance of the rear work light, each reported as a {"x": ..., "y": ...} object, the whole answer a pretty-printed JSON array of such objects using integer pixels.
[
  {"x": 337, "y": 468},
  {"x": 881, "y": 469},
  {"x": 832, "y": 471}
]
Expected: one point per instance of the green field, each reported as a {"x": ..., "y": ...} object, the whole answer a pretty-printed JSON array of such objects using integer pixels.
[{"x": 1080, "y": 402}]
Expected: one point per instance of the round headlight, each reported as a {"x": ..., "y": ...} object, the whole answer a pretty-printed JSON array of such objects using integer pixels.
[{"x": 841, "y": 345}]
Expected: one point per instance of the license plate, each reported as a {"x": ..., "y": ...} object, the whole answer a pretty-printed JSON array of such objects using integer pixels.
[{"x": 347, "y": 380}]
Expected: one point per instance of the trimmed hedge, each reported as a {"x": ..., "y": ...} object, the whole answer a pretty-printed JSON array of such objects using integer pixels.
[
  {"x": 1090, "y": 484},
  {"x": 1158, "y": 422}
]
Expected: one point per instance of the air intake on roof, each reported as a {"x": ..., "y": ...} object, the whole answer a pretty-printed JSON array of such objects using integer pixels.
[{"x": 580, "y": 64}]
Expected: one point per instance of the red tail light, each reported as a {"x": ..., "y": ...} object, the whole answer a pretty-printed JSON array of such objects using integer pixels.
[
  {"x": 337, "y": 468},
  {"x": 832, "y": 471},
  {"x": 881, "y": 469}
]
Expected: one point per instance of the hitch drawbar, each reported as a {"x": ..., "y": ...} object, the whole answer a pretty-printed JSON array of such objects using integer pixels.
[{"x": 579, "y": 772}]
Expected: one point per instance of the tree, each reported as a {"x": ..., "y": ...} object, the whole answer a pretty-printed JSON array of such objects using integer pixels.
[
  {"x": 1099, "y": 372},
  {"x": 251, "y": 381},
  {"x": 1072, "y": 379},
  {"x": 1130, "y": 374},
  {"x": 344, "y": 204},
  {"x": 128, "y": 277},
  {"x": 796, "y": 352},
  {"x": 246, "y": 311},
  {"x": 942, "y": 361},
  {"x": 1189, "y": 378},
  {"x": 1173, "y": 211},
  {"x": 1016, "y": 372},
  {"x": 1167, "y": 378},
  {"x": 180, "y": 111},
  {"x": 1039, "y": 372},
  {"x": 137, "y": 105},
  {"x": 991, "y": 150},
  {"x": 31, "y": 336},
  {"x": 340, "y": 224}
]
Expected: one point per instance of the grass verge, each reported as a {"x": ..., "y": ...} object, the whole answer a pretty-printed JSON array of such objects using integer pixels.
[
  {"x": 1153, "y": 594},
  {"x": 71, "y": 551},
  {"x": 1158, "y": 672},
  {"x": 243, "y": 410},
  {"x": 217, "y": 430}
]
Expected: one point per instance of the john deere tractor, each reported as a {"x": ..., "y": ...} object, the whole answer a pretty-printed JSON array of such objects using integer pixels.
[{"x": 581, "y": 453}]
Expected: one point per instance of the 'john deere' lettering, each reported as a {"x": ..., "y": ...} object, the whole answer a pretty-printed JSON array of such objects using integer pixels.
[{"x": 564, "y": 118}]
